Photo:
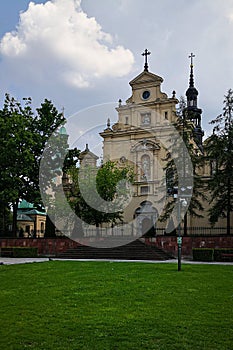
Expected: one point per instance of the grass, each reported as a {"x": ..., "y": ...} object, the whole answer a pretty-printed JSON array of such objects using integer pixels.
[{"x": 108, "y": 306}]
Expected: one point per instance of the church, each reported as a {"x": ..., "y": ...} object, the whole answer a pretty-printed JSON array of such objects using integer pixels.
[{"x": 141, "y": 138}]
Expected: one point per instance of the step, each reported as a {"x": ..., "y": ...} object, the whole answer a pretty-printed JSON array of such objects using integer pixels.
[{"x": 135, "y": 250}]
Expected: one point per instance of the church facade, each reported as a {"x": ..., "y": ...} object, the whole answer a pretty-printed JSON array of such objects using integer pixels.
[{"x": 140, "y": 138}]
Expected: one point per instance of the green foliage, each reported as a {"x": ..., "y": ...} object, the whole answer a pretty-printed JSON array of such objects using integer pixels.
[
  {"x": 95, "y": 190},
  {"x": 203, "y": 254},
  {"x": 23, "y": 136},
  {"x": 218, "y": 254},
  {"x": 179, "y": 159},
  {"x": 19, "y": 252},
  {"x": 25, "y": 252},
  {"x": 212, "y": 254},
  {"x": 219, "y": 151}
]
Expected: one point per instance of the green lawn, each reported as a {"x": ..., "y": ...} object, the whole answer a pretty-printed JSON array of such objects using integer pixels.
[{"x": 107, "y": 306}]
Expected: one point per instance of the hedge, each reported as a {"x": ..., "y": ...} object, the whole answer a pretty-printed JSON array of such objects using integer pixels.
[
  {"x": 203, "y": 254},
  {"x": 25, "y": 252},
  {"x": 211, "y": 254},
  {"x": 19, "y": 252},
  {"x": 218, "y": 253}
]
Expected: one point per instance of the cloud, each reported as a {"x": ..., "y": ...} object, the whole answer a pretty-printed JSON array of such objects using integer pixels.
[{"x": 57, "y": 40}]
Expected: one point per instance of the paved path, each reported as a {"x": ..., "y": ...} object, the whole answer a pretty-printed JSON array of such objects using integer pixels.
[{"x": 11, "y": 261}]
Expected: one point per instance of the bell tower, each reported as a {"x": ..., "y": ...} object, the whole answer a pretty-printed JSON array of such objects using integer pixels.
[{"x": 192, "y": 112}]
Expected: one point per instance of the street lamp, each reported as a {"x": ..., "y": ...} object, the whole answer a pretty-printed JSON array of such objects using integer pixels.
[{"x": 182, "y": 203}]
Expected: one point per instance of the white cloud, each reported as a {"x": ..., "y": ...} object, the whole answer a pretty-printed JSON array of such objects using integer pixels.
[{"x": 58, "y": 39}]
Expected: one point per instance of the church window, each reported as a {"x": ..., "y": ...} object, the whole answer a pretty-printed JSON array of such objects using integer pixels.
[
  {"x": 145, "y": 165},
  {"x": 42, "y": 227},
  {"x": 145, "y": 189},
  {"x": 166, "y": 115}
]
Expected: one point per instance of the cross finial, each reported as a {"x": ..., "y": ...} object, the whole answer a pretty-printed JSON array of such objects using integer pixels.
[
  {"x": 191, "y": 56},
  {"x": 146, "y": 53},
  {"x": 191, "y": 79}
]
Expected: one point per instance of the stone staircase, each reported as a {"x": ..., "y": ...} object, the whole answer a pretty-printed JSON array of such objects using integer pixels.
[{"x": 136, "y": 250}]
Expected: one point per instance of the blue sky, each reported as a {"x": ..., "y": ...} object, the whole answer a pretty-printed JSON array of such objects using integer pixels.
[{"x": 82, "y": 53}]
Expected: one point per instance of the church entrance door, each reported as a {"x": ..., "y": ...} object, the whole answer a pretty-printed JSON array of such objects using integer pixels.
[{"x": 147, "y": 226}]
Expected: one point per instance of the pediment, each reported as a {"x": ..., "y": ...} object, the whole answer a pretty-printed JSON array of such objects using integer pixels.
[
  {"x": 145, "y": 145},
  {"x": 146, "y": 77}
]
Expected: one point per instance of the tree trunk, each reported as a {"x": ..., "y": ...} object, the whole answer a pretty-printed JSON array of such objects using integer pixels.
[
  {"x": 228, "y": 207},
  {"x": 14, "y": 223},
  {"x": 185, "y": 224}
]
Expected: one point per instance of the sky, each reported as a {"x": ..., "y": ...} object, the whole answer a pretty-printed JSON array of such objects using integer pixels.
[{"x": 83, "y": 53}]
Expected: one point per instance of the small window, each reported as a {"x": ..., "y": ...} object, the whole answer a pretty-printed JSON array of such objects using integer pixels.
[
  {"x": 145, "y": 189},
  {"x": 126, "y": 120},
  {"x": 166, "y": 115}
]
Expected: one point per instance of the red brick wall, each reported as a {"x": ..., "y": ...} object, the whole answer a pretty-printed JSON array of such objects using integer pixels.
[
  {"x": 51, "y": 247},
  {"x": 169, "y": 243},
  {"x": 47, "y": 246}
]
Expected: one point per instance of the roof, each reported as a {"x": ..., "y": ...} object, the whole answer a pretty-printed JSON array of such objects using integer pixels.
[
  {"x": 62, "y": 131},
  {"x": 24, "y": 217},
  {"x": 146, "y": 77},
  {"x": 34, "y": 212},
  {"x": 25, "y": 205}
]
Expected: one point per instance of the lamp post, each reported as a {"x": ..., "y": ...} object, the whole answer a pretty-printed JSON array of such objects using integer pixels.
[{"x": 181, "y": 197}]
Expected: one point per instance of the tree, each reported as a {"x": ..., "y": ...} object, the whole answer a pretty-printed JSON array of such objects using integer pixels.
[
  {"x": 22, "y": 138},
  {"x": 219, "y": 149},
  {"x": 184, "y": 137},
  {"x": 16, "y": 157},
  {"x": 97, "y": 194}
]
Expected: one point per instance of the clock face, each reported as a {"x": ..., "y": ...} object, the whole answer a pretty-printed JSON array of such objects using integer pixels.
[{"x": 145, "y": 95}]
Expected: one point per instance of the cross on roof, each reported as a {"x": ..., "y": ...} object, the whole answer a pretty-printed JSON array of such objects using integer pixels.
[
  {"x": 146, "y": 53},
  {"x": 192, "y": 56}
]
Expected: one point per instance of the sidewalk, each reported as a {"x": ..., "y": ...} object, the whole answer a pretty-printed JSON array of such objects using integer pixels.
[{"x": 12, "y": 261}]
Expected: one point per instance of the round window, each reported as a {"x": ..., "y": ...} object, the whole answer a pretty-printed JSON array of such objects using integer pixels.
[{"x": 145, "y": 95}]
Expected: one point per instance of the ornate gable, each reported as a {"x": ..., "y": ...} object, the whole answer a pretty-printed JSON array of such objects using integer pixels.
[{"x": 146, "y": 78}]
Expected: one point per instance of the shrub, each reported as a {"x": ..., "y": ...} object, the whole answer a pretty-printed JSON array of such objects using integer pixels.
[
  {"x": 218, "y": 253},
  {"x": 25, "y": 252},
  {"x": 203, "y": 254}
]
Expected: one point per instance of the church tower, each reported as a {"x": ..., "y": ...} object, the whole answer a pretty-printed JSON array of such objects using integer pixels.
[
  {"x": 192, "y": 112},
  {"x": 137, "y": 139}
]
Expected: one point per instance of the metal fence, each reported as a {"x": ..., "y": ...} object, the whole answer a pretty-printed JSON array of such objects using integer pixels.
[{"x": 130, "y": 230}]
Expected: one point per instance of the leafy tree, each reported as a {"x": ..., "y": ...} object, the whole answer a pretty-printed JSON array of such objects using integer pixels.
[
  {"x": 22, "y": 138},
  {"x": 16, "y": 157},
  {"x": 219, "y": 148},
  {"x": 97, "y": 194},
  {"x": 185, "y": 129}
]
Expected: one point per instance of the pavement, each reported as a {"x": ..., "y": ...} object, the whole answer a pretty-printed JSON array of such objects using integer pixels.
[{"x": 12, "y": 261}]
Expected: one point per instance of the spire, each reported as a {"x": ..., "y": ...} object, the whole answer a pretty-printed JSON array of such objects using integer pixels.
[
  {"x": 192, "y": 111},
  {"x": 191, "y": 79},
  {"x": 146, "y": 53},
  {"x": 192, "y": 92}
]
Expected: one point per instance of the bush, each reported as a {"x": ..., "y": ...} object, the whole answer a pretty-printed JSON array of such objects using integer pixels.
[
  {"x": 218, "y": 253},
  {"x": 6, "y": 252},
  {"x": 203, "y": 254},
  {"x": 23, "y": 252}
]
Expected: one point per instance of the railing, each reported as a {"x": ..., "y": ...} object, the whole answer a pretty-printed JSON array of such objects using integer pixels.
[{"x": 132, "y": 230}]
